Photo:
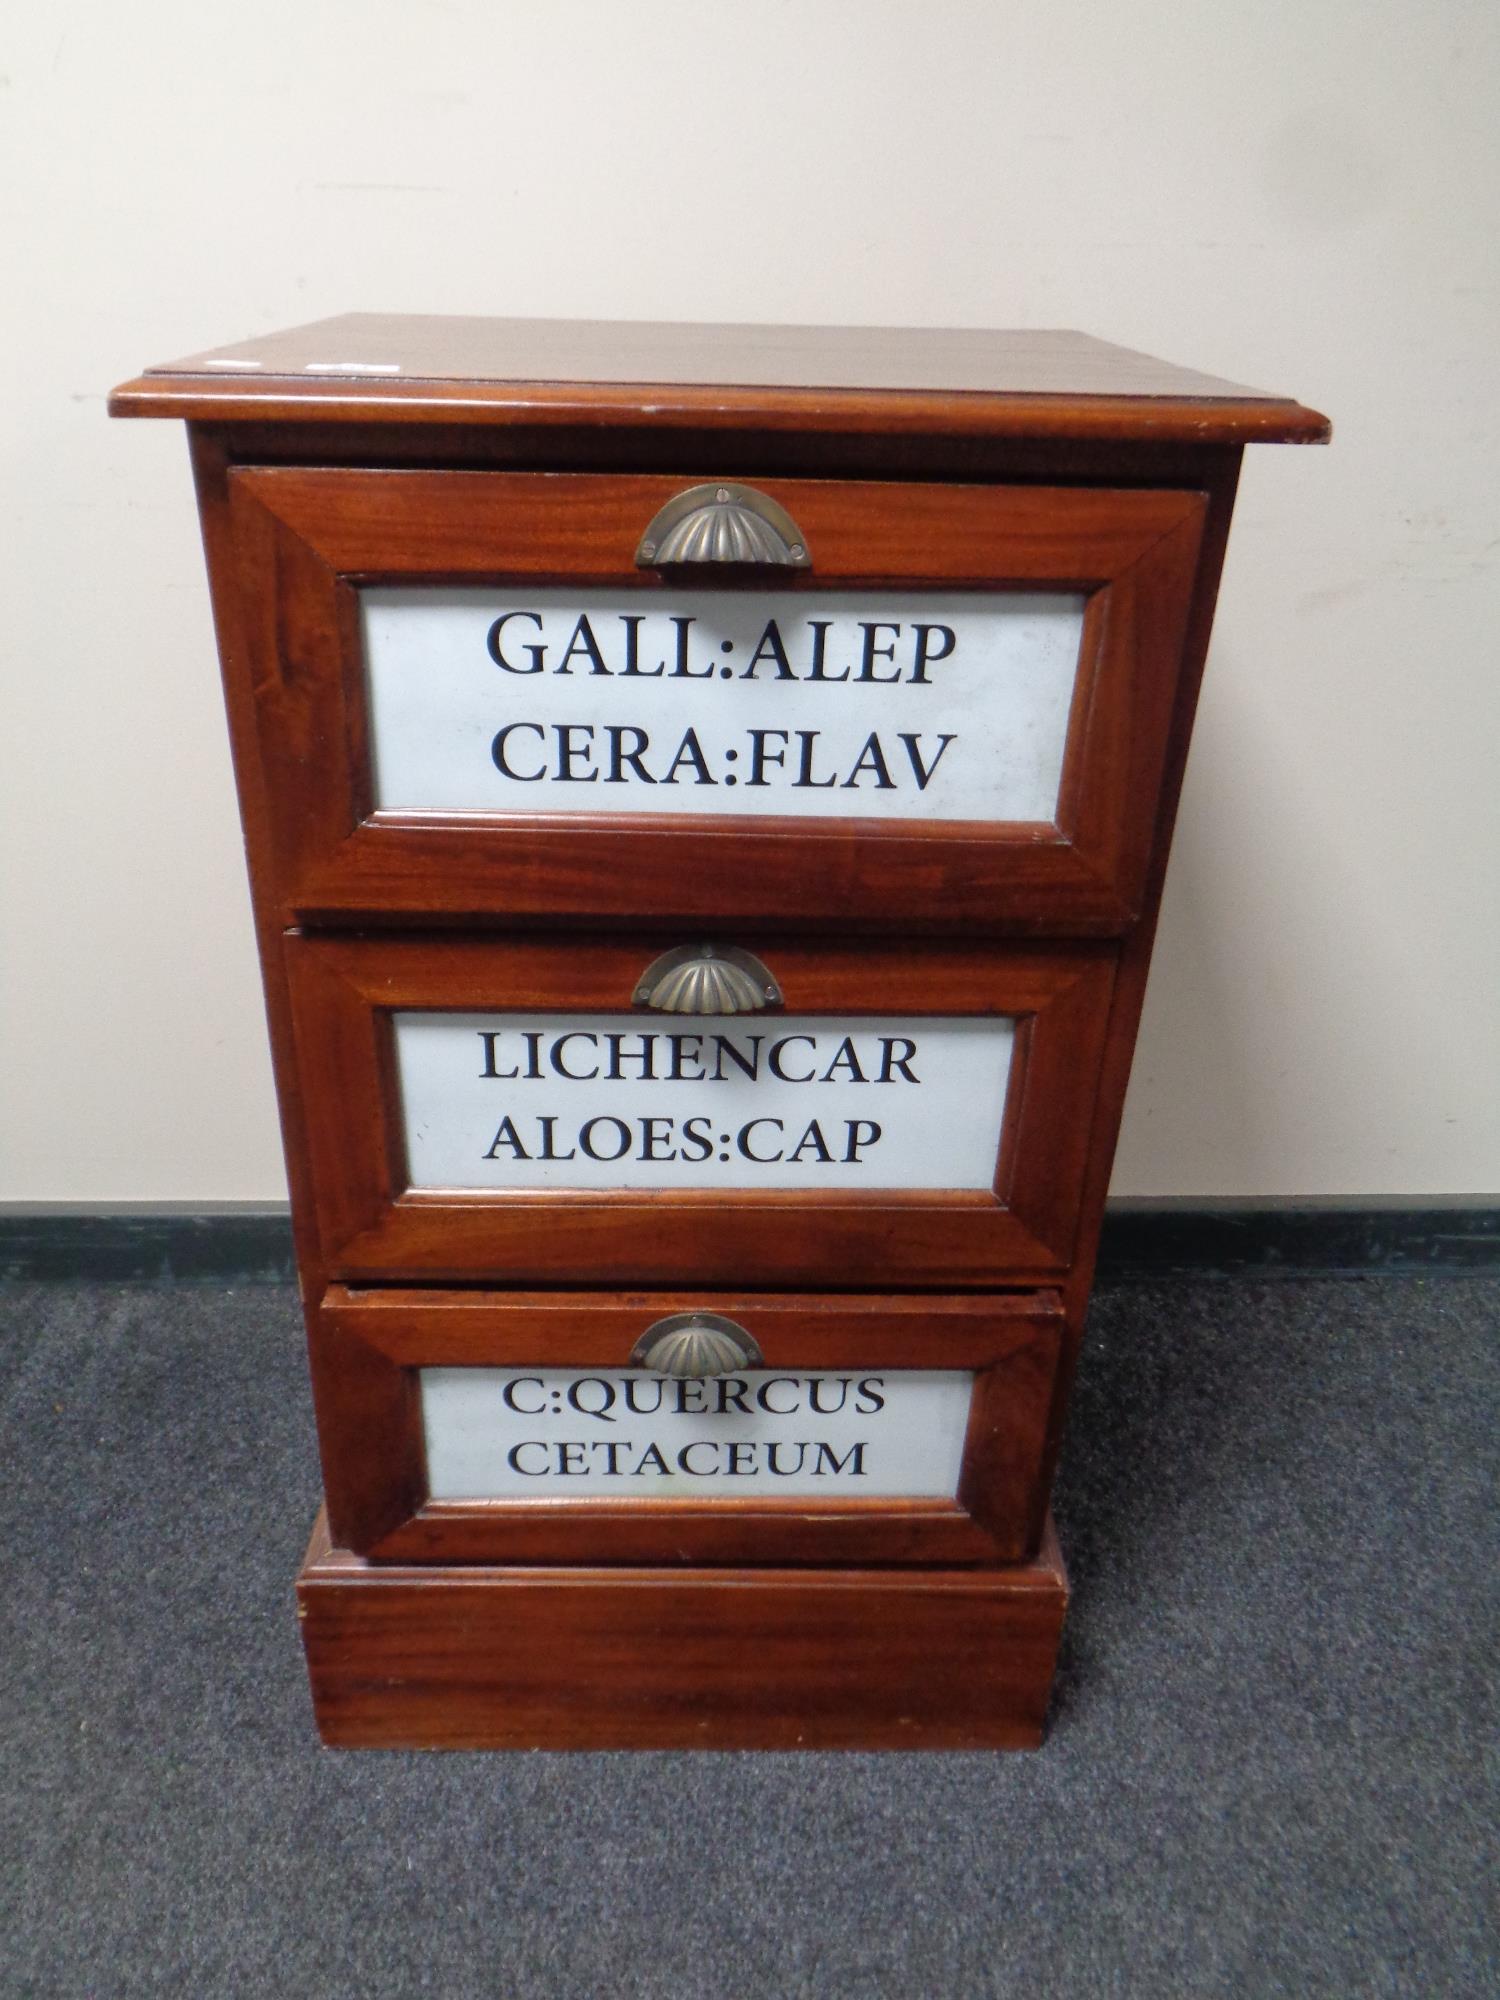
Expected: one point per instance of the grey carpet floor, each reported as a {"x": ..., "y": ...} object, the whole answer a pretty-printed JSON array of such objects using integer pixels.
[{"x": 1271, "y": 1767}]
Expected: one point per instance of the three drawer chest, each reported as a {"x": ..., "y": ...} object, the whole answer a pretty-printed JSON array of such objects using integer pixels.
[{"x": 707, "y": 792}]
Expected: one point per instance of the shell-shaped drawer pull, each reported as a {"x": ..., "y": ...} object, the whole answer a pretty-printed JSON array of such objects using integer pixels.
[
  {"x": 723, "y": 523},
  {"x": 694, "y": 1344},
  {"x": 705, "y": 979}
]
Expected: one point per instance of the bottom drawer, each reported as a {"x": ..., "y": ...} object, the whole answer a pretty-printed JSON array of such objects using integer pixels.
[{"x": 710, "y": 1428}]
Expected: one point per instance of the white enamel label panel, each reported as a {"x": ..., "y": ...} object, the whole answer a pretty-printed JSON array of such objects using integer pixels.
[
  {"x": 624, "y": 1101},
  {"x": 501, "y": 1434},
  {"x": 823, "y": 705}
]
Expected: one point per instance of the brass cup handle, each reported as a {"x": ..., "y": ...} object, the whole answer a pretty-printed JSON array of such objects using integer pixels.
[
  {"x": 695, "y": 1344},
  {"x": 723, "y": 523},
  {"x": 707, "y": 979}
]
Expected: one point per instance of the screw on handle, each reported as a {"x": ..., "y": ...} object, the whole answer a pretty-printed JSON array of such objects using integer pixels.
[
  {"x": 707, "y": 979},
  {"x": 723, "y": 523},
  {"x": 695, "y": 1344}
]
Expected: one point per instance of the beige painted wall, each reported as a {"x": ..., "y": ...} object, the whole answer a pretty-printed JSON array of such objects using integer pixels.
[{"x": 1300, "y": 196}]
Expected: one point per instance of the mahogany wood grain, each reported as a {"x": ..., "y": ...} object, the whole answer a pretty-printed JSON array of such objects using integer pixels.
[
  {"x": 233, "y": 619},
  {"x": 1048, "y": 447},
  {"x": 368, "y": 1345},
  {"x": 422, "y": 1656},
  {"x": 891, "y": 380},
  {"x": 1128, "y": 997},
  {"x": 746, "y": 454},
  {"x": 306, "y": 537},
  {"x": 373, "y": 1225}
]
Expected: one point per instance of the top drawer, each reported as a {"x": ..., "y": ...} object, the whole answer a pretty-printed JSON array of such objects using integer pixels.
[{"x": 476, "y": 697}]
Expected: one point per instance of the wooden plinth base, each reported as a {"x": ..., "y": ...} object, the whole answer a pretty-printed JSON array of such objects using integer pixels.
[{"x": 647, "y": 1659}]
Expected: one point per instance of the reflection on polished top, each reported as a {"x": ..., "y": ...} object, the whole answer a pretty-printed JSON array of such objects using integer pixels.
[{"x": 390, "y": 367}]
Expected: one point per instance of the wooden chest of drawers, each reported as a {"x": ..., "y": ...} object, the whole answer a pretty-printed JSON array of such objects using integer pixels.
[{"x": 707, "y": 793}]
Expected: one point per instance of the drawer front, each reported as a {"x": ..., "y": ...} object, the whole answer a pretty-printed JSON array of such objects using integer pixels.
[
  {"x": 465, "y": 1427},
  {"x": 481, "y": 1109},
  {"x": 473, "y": 701}
]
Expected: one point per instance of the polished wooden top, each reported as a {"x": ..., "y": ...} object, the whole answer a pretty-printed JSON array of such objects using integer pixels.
[{"x": 365, "y": 367}]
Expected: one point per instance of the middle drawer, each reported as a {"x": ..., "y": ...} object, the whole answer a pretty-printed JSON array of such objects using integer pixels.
[{"x": 480, "y": 1110}]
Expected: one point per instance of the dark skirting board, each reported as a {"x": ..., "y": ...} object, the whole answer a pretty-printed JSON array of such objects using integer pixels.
[{"x": 253, "y": 1244}]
